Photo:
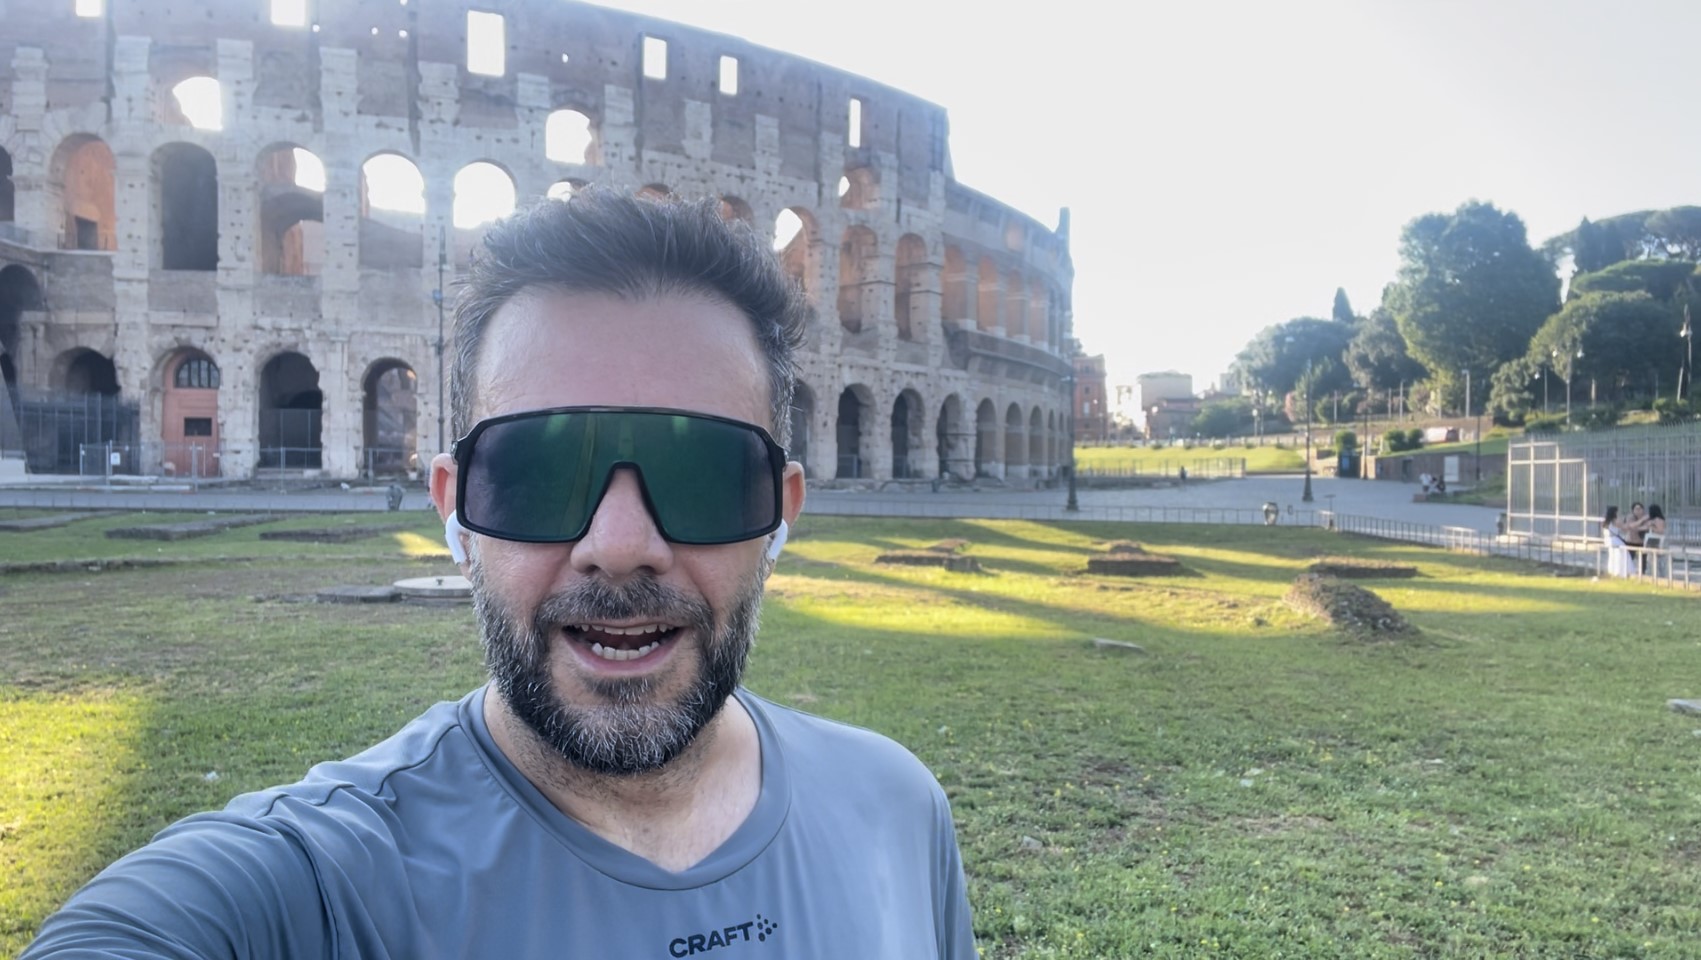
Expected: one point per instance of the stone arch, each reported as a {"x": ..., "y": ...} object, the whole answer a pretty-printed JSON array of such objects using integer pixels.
[
  {"x": 954, "y": 441},
  {"x": 292, "y": 211},
  {"x": 1039, "y": 310},
  {"x": 189, "y": 413},
  {"x": 859, "y": 189},
  {"x": 389, "y": 419},
  {"x": 291, "y": 408},
  {"x": 802, "y": 417},
  {"x": 909, "y": 423},
  {"x": 858, "y": 255},
  {"x": 1051, "y": 440},
  {"x": 794, "y": 235},
  {"x": 986, "y": 307},
  {"x": 83, "y": 370},
  {"x": 392, "y": 212},
  {"x": 8, "y": 195},
  {"x": 197, "y": 101},
  {"x": 1036, "y": 443},
  {"x": 186, "y": 208},
  {"x": 911, "y": 276},
  {"x": 19, "y": 291},
  {"x": 1016, "y": 307},
  {"x": 735, "y": 208},
  {"x": 484, "y": 192},
  {"x": 571, "y": 137},
  {"x": 987, "y": 461},
  {"x": 958, "y": 303},
  {"x": 854, "y": 430},
  {"x": 82, "y": 175},
  {"x": 1015, "y": 450}
]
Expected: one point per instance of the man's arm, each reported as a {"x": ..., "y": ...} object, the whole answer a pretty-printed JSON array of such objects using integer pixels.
[
  {"x": 210, "y": 887},
  {"x": 955, "y": 922}
]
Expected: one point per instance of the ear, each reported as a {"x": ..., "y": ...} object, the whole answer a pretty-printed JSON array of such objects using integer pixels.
[
  {"x": 791, "y": 491},
  {"x": 444, "y": 482}
]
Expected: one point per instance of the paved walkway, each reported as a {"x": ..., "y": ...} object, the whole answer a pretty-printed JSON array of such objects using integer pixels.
[{"x": 1385, "y": 500}]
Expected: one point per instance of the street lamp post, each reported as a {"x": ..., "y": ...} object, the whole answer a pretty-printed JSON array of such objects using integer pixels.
[
  {"x": 1479, "y": 423},
  {"x": 1688, "y": 377},
  {"x": 1072, "y": 505},
  {"x": 1306, "y": 496}
]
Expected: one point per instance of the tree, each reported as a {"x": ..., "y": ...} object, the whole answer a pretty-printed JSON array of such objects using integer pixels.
[
  {"x": 1676, "y": 232},
  {"x": 1592, "y": 249},
  {"x": 1342, "y": 311},
  {"x": 1512, "y": 390},
  {"x": 1224, "y": 417},
  {"x": 1624, "y": 338},
  {"x": 1660, "y": 279},
  {"x": 1276, "y": 358},
  {"x": 1376, "y": 355},
  {"x": 1471, "y": 292}
]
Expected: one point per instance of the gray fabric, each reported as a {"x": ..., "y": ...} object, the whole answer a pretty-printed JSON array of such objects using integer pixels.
[{"x": 431, "y": 844}]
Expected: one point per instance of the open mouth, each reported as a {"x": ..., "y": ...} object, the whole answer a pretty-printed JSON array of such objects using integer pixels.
[{"x": 618, "y": 644}]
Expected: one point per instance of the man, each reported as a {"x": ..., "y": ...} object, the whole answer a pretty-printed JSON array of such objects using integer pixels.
[{"x": 617, "y": 500}]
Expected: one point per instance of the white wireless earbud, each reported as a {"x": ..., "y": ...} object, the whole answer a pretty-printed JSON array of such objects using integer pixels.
[
  {"x": 452, "y": 534},
  {"x": 779, "y": 543}
]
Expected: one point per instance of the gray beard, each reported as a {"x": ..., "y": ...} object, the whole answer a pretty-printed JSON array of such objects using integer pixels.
[{"x": 631, "y": 732}]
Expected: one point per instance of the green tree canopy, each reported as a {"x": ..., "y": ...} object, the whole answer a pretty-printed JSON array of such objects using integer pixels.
[
  {"x": 1342, "y": 312},
  {"x": 1471, "y": 292},
  {"x": 1224, "y": 417},
  {"x": 1660, "y": 279},
  {"x": 1625, "y": 340},
  {"x": 1376, "y": 355},
  {"x": 1276, "y": 358}
]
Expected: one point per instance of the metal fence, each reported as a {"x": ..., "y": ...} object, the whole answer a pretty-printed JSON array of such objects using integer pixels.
[
  {"x": 1213, "y": 468},
  {"x": 291, "y": 440},
  {"x": 1560, "y": 486},
  {"x": 55, "y": 427}
]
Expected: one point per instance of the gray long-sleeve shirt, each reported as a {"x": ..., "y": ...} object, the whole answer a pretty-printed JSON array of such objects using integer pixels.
[{"x": 431, "y": 844}]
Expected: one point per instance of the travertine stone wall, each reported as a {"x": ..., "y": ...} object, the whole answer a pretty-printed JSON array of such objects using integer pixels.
[{"x": 982, "y": 377}]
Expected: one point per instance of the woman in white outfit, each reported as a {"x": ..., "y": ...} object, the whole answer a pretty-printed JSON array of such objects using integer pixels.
[{"x": 1618, "y": 554}]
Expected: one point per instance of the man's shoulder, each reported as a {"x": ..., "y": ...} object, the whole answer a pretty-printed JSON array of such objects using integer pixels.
[
  {"x": 819, "y": 749},
  {"x": 418, "y": 751}
]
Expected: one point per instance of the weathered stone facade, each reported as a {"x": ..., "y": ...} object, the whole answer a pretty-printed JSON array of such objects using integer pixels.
[{"x": 232, "y": 296}]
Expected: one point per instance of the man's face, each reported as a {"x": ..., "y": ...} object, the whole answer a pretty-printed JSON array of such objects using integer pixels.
[{"x": 618, "y": 648}]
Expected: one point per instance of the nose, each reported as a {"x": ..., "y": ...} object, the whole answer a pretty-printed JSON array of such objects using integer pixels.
[{"x": 622, "y": 539}]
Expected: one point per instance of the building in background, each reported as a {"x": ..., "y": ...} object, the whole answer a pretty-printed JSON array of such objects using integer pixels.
[
  {"x": 1092, "y": 406},
  {"x": 226, "y": 238},
  {"x": 1167, "y": 405}
]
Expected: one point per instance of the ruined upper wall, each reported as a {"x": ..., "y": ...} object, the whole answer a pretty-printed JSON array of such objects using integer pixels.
[{"x": 578, "y": 50}]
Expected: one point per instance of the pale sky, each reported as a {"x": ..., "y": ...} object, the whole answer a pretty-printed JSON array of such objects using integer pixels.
[{"x": 1228, "y": 165}]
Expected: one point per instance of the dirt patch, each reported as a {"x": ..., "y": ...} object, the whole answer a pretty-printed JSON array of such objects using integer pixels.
[
  {"x": 344, "y": 534},
  {"x": 190, "y": 530},
  {"x": 928, "y": 558},
  {"x": 953, "y": 545},
  {"x": 1356, "y": 568},
  {"x": 1125, "y": 558},
  {"x": 1348, "y": 607}
]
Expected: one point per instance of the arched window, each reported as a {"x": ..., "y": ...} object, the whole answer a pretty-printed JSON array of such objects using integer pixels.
[
  {"x": 568, "y": 137},
  {"x": 483, "y": 193},
  {"x": 197, "y": 373},
  {"x": 200, "y": 102}
]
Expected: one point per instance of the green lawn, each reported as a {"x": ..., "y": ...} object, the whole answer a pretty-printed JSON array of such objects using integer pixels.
[
  {"x": 1255, "y": 785},
  {"x": 1264, "y": 459}
]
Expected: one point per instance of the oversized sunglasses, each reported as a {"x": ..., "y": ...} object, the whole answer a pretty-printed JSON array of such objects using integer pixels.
[{"x": 538, "y": 476}]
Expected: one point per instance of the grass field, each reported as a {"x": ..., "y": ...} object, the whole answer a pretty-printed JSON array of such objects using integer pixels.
[
  {"x": 1255, "y": 785},
  {"x": 1265, "y": 459}
]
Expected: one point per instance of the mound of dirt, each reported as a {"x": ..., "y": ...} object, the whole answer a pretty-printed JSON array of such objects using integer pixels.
[
  {"x": 1347, "y": 606},
  {"x": 1125, "y": 558},
  {"x": 1356, "y": 568},
  {"x": 953, "y": 545}
]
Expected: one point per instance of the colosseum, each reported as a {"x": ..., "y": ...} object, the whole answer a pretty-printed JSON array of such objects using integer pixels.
[{"x": 225, "y": 228}]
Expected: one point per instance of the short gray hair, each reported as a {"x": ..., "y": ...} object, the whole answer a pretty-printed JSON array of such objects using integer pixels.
[{"x": 606, "y": 241}]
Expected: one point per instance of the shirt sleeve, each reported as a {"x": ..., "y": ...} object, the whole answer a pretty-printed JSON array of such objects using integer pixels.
[
  {"x": 955, "y": 922},
  {"x": 212, "y": 886}
]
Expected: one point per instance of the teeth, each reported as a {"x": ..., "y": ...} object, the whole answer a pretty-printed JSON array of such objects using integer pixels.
[
  {"x": 615, "y": 653},
  {"x": 636, "y": 631}
]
